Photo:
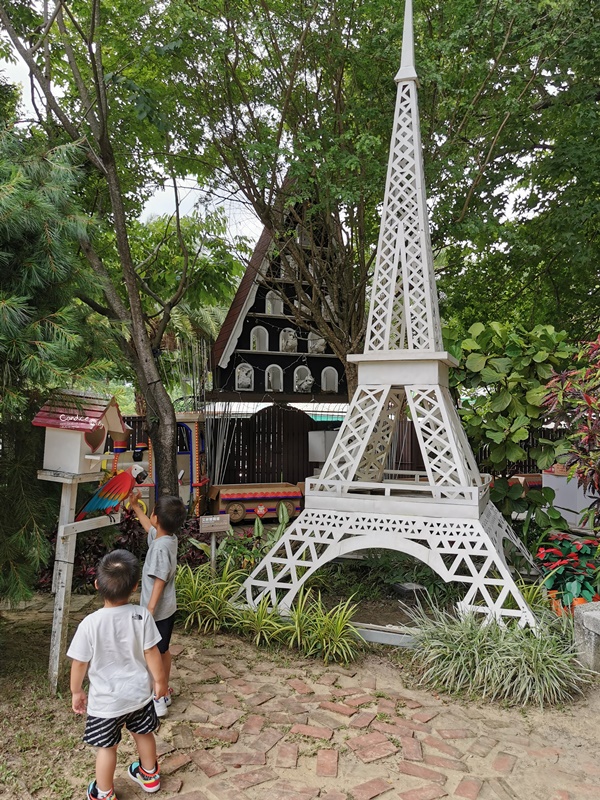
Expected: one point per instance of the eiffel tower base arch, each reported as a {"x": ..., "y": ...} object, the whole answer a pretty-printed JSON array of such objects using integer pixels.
[{"x": 468, "y": 551}]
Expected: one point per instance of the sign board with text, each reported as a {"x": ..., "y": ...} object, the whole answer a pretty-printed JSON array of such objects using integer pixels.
[{"x": 217, "y": 523}]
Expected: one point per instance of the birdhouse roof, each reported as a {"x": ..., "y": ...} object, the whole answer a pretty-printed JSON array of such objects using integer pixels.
[{"x": 80, "y": 411}]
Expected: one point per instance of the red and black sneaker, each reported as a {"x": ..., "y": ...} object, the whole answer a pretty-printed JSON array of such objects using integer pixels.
[
  {"x": 92, "y": 793},
  {"x": 149, "y": 781}
]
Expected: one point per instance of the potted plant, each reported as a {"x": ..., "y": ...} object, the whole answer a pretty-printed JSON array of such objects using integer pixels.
[{"x": 570, "y": 569}]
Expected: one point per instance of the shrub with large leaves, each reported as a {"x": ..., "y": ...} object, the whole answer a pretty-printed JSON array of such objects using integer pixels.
[
  {"x": 502, "y": 379},
  {"x": 501, "y": 382}
]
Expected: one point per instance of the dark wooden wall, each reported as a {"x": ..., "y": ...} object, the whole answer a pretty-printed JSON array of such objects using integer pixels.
[{"x": 272, "y": 447}]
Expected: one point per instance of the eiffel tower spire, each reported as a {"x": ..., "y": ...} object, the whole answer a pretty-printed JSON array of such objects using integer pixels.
[
  {"x": 444, "y": 516},
  {"x": 404, "y": 305}
]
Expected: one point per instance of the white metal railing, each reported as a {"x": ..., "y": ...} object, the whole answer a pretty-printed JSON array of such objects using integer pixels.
[{"x": 403, "y": 483}]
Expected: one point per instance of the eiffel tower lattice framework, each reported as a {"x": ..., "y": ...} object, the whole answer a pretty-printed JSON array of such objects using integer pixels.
[{"x": 442, "y": 516}]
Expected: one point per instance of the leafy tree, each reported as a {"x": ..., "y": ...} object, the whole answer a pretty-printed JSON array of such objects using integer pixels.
[
  {"x": 41, "y": 342},
  {"x": 211, "y": 283},
  {"x": 297, "y": 129},
  {"x": 301, "y": 118},
  {"x": 292, "y": 107},
  {"x": 501, "y": 384},
  {"x": 510, "y": 108},
  {"x": 99, "y": 71}
]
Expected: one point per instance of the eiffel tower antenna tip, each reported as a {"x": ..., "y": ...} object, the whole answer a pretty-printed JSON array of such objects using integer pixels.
[{"x": 407, "y": 70}]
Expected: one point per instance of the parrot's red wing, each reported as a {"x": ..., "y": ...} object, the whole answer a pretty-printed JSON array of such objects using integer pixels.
[
  {"x": 117, "y": 488},
  {"x": 108, "y": 496}
]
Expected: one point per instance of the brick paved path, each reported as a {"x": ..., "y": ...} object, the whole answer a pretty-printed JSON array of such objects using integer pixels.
[
  {"x": 249, "y": 725},
  {"x": 246, "y": 725}
]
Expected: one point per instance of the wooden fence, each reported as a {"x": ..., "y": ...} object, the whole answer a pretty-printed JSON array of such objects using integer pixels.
[{"x": 272, "y": 446}]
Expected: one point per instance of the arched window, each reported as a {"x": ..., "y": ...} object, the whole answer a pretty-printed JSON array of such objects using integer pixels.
[
  {"x": 288, "y": 341},
  {"x": 259, "y": 339},
  {"x": 316, "y": 343},
  {"x": 273, "y": 304},
  {"x": 329, "y": 380},
  {"x": 303, "y": 380},
  {"x": 244, "y": 378},
  {"x": 274, "y": 378}
]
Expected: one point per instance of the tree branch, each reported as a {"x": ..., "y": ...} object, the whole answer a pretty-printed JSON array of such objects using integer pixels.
[{"x": 116, "y": 305}]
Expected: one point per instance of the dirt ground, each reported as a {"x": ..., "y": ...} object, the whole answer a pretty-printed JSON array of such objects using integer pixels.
[{"x": 248, "y": 724}]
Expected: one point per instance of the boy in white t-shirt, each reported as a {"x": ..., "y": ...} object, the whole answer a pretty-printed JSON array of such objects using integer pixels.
[{"x": 117, "y": 647}]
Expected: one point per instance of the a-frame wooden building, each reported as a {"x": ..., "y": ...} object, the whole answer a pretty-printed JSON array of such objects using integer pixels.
[{"x": 261, "y": 353}]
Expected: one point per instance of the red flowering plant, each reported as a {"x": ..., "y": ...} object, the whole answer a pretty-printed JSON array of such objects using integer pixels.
[{"x": 570, "y": 566}]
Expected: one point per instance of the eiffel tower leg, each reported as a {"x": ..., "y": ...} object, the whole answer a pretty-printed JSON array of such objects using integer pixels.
[
  {"x": 461, "y": 550},
  {"x": 355, "y": 435},
  {"x": 373, "y": 462},
  {"x": 446, "y": 453}
]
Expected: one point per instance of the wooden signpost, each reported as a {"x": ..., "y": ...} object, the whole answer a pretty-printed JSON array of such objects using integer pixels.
[{"x": 62, "y": 577}]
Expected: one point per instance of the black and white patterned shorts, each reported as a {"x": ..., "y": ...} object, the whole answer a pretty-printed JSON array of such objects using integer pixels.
[{"x": 101, "y": 732}]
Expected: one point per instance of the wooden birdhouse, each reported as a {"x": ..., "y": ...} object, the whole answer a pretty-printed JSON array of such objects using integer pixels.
[{"x": 77, "y": 426}]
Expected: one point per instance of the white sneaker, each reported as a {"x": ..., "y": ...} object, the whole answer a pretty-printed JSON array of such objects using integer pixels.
[
  {"x": 167, "y": 698},
  {"x": 161, "y": 706}
]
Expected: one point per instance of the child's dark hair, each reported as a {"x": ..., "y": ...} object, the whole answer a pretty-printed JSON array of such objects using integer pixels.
[
  {"x": 170, "y": 512},
  {"x": 117, "y": 575}
]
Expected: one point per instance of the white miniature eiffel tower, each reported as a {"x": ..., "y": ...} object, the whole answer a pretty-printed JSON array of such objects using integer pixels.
[{"x": 442, "y": 517}]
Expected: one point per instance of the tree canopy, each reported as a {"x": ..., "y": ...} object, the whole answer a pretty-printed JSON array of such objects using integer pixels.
[
  {"x": 509, "y": 108},
  {"x": 42, "y": 343},
  {"x": 100, "y": 73}
]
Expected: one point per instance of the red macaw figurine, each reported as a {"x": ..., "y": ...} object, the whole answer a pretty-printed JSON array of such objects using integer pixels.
[{"x": 108, "y": 496}]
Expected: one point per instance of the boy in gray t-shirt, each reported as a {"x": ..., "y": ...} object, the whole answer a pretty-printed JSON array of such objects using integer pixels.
[{"x": 158, "y": 575}]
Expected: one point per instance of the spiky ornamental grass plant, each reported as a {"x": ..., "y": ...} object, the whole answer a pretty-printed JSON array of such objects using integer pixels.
[
  {"x": 205, "y": 603},
  {"x": 297, "y": 629},
  {"x": 204, "y": 599},
  {"x": 517, "y": 666},
  {"x": 262, "y": 624},
  {"x": 330, "y": 634}
]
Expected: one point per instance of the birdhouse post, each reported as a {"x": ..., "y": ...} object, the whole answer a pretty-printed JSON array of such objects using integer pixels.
[{"x": 77, "y": 426}]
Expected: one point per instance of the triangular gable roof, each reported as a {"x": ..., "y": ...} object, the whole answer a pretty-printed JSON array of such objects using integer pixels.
[
  {"x": 241, "y": 304},
  {"x": 79, "y": 411}
]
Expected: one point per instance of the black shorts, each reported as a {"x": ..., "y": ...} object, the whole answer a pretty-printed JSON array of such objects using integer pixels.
[
  {"x": 165, "y": 628},
  {"x": 101, "y": 732}
]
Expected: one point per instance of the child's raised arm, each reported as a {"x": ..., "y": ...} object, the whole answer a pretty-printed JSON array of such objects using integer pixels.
[{"x": 134, "y": 504}]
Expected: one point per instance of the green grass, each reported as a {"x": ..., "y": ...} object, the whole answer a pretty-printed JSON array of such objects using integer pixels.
[{"x": 35, "y": 727}]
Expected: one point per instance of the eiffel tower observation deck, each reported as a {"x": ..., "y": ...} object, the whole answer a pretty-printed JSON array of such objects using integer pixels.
[{"x": 442, "y": 516}]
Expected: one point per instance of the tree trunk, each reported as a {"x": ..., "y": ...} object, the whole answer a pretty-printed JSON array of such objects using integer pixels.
[
  {"x": 163, "y": 435},
  {"x": 160, "y": 416},
  {"x": 351, "y": 379}
]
